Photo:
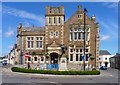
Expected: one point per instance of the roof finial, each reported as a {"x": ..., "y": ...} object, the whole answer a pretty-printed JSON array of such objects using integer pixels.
[{"x": 79, "y": 7}]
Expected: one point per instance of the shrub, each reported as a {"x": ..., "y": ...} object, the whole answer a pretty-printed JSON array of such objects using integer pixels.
[{"x": 24, "y": 70}]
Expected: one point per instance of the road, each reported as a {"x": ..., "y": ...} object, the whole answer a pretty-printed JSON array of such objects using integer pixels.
[{"x": 106, "y": 76}]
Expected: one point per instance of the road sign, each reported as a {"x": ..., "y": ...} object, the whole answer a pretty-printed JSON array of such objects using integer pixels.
[{"x": 26, "y": 56}]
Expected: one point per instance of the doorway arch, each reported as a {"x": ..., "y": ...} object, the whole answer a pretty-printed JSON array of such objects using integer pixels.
[{"x": 54, "y": 58}]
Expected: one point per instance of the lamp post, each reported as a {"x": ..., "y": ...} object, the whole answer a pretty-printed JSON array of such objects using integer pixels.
[
  {"x": 63, "y": 48},
  {"x": 85, "y": 10},
  {"x": 21, "y": 47}
]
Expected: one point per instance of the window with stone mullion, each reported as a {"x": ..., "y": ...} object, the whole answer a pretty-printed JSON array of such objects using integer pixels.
[
  {"x": 79, "y": 35},
  {"x": 35, "y": 58},
  {"x": 32, "y": 42},
  {"x": 75, "y": 35},
  {"x": 28, "y": 44},
  {"x": 80, "y": 57},
  {"x": 40, "y": 44},
  {"x": 37, "y": 44},
  {"x": 71, "y": 57},
  {"x": 71, "y": 36},
  {"x": 86, "y": 57},
  {"x": 77, "y": 58}
]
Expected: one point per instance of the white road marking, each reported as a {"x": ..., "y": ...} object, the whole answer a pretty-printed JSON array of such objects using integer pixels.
[{"x": 55, "y": 83}]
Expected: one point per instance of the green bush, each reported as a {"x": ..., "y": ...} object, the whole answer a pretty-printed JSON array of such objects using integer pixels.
[{"x": 24, "y": 70}]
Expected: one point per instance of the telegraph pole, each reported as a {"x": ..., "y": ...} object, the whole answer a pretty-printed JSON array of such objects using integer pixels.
[{"x": 85, "y": 10}]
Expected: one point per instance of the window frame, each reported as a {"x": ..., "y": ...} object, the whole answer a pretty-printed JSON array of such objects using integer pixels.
[
  {"x": 77, "y": 57},
  {"x": 56, "y": 34},
  {"x": 54, "y": 20},
  {"x": 35, "y": 59},
  {"x": 30, "y": 42},
  {"x": 51, "y": 34},
  {"x": 49, "y": 20},
  {"x": 71, "y": 58},
  {"x": 59, "y": 20},
  {"x": 29, "y": 58}
]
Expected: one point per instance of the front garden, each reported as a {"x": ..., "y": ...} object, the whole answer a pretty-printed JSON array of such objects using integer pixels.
[{"x": 25, "y": 70}]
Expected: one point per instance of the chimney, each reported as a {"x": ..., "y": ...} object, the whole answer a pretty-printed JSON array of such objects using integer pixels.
[
  {"x": 93, "y": 18},
  {"x": 20, "y": 25},
  {"x": 80, "y": 8},
  {"x": 48, "y": 9},
  {"x": 62, "y": 9}
]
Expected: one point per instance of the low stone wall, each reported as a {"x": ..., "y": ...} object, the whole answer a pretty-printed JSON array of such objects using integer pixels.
[
  {"x": 42, "y": 66},
  {"x": 33, "y": 66},
  {"x": 77, "y": 67},
  {"x": 74, "y": 67}
]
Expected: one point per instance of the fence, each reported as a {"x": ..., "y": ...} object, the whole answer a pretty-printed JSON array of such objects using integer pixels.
[{"x": 52, "y": 66}]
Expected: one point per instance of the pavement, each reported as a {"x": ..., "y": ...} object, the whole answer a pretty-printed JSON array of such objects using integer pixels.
[{"x": 106, "y": 76}]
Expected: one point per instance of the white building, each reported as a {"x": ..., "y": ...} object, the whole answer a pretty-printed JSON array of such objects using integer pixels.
[
  {"x": 12, "y": 55},
  {"x": 104, "y": 58}
]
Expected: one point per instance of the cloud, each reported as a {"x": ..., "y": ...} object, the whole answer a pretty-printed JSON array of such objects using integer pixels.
[
  {"x": 110, "y": 28},
  {"x": 9, "y": 33},
  {"x": 23, "y": 14},
  {"x": 111, "y": 5},
  {"x": 105, "y": 37},
  {"x": 26, "y": 24}
]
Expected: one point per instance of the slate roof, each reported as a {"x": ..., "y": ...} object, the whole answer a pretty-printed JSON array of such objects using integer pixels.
[
  {"x": 104, "y": 52},
  {"x": 117, "y": 55},
  {"x": 33, "y": 29}
]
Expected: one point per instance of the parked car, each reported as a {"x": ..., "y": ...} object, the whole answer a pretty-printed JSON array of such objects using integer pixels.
[
  {"x": 4, "y": 62},
  {"x": 103, "y": 68}
]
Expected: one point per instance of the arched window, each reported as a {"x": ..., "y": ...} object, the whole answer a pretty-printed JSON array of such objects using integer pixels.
[
  {"x": 42, "y": 58},
  {"x": 29, "y": 58},
  {"x": 35, "y": 58}
]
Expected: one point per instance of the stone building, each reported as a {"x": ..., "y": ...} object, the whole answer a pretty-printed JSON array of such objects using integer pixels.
[{"x": 43, "y": 44}]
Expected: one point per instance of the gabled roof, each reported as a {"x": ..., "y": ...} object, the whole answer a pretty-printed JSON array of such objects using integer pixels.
[{"x": 104, "y": 52}]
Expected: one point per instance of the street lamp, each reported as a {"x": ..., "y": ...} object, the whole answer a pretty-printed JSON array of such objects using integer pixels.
[
  {"x": 21, "y": 48},
  {"x": 63, "y": 48},
  {"x": 85, "y": 11}
]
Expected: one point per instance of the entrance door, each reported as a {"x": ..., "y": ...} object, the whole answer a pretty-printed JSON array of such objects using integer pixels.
[
  {"x": 106, "y": 63},
  {"x": 54, "y": 58}
]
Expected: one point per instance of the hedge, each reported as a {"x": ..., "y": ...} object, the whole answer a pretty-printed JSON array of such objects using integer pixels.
[{"x": 24, "y": 70}]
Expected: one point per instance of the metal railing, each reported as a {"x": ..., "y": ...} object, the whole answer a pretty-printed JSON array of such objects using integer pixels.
[{"x": 52, "y": 66}]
